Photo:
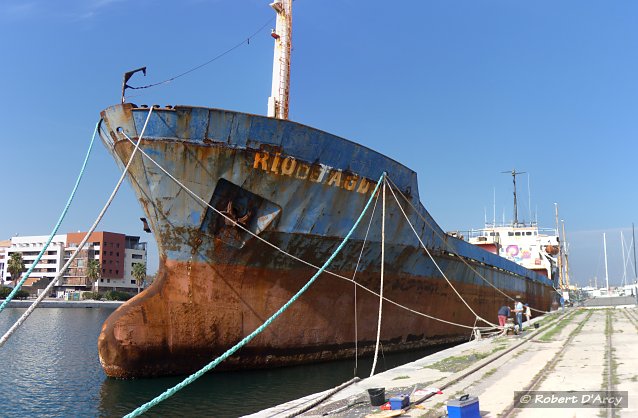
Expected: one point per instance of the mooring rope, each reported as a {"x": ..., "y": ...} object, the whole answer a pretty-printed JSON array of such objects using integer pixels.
[
  {"x": 56, "y": 227},
  {"x": 437, "y": 264},
  {"x": 356, "y": 324},
  {"x": 376, "y": 347},
  {"x": 451, "y": 248},
  {"x": 238, "y": 225},
  {"x": 190, "y": 379},
  {"x": 46, "y": 291},
  {"x": 314, "y": 402}
]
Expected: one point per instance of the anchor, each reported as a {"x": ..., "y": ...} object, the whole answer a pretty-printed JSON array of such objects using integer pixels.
[{"x": 230, "y": 212}]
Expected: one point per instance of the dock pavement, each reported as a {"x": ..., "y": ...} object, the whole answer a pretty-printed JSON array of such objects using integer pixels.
[{"x": 579, "y": 362}]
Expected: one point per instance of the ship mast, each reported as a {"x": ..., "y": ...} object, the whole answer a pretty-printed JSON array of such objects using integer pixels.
[
  {"x": 606, "y": 274},
  {"x": 560, "y": 251},
  {"x": 514, "y": 173},
  {"x": 633, "y": 241},
  {"x": 278, "y": 100},
  {"x": 566, "y": 255}
]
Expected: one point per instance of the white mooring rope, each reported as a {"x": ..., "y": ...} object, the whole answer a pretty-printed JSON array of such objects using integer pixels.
[
  {"x": 437, "y": 264},
  {"x": 376, "y": 348},
  {"x": 46, "y": 291},
  {"x": 356, "y": 326},
  {"x": 238, "y": 225},
  {"x": 451, "y": 249}
]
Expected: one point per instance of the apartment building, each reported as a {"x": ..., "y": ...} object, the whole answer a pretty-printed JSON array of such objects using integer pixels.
[
  {"x": 48, "y": 266},
  {"x": 3, "y": 246},
  {"x": 115, "y": 252}
]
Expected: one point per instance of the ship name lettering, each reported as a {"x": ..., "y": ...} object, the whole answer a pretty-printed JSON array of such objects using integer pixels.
[
  {"x": 335, "y": 178},
  {"x": 288, "y": 166},
  {"x": 303, "y": 170},
  {"x": 364, "y": 186},
  {"x": 275, "y": 164},
  {"x": 350, "y": 181},
  {"x": 261, "y": 159},
  {"x": 317, "y": 173}
]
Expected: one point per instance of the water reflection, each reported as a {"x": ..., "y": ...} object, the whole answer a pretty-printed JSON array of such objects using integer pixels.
[
  {"x": 50, "y": 368},
  {"x": 231, "y": 394}
]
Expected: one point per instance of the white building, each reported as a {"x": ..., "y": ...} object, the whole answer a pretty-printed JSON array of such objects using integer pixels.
[
  {"x": 48, "y": 266},
  {"x": 3, "y": 246},
  {"x": 116, "y": 253}
]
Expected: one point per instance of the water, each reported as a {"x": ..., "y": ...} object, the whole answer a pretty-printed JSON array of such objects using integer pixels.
[{"x": 50, "y": 368}]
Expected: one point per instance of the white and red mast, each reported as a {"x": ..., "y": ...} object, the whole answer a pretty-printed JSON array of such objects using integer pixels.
[{"x": 278, "y": 100}]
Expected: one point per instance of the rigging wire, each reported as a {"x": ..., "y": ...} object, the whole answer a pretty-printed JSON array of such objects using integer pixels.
[
  {"x": 450, "y": 247},
  {"x": 190, "y": 379},
  {"x": 294, "y": 257},
  {"x": 437, "y": 264},
  {"x": 168, "y": 80}
]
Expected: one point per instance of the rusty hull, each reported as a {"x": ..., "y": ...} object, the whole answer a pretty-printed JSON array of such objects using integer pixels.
[
  {"x": 300, "y": 189},
  {"x": 195, "y": 312}
]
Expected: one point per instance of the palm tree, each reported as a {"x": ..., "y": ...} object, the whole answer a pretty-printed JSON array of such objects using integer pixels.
[
  {"x": 93, "y": 271},
  {"x": 139, "y": 273},
  {"x": 15, "y": 267}
]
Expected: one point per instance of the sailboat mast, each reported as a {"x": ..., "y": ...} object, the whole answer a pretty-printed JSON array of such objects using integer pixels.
[
  {"x": 515, "y": 206},
  {"x": 560, "y": 251},
  {"x": 279, "y": 96},
  {"x": 633, "y": 242},
  {"x": 606, "y": 274},
  {"x": 566, "y": 255},
  {"x": 624, "y": 261},
  {"x": 494, "y": 208}
]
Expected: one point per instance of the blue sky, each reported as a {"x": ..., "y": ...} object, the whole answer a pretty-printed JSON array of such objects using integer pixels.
[{"x": 459, "y": 91}]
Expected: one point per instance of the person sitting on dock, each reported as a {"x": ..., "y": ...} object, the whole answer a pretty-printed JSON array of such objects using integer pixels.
[
  {"x": 518, "y": 309},
  {"x": 503, "y": 314}
]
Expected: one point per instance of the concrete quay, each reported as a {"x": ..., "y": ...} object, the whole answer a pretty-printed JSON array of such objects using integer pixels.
[
  {"x": 60, "y": 303},
  {"x": 579, "y": 350}
]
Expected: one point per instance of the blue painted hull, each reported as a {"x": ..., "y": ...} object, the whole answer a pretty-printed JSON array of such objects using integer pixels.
[{"x": 300, "y": 189}]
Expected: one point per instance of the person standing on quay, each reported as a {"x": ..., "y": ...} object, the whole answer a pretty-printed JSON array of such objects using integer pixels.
[
  {"x": 528, "y": 313},
  {"x": 503, "y": 314},
  {"x": 518, "y": 309}
]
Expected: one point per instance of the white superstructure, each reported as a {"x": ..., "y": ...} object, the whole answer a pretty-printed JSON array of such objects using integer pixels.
[
  {"x": 537, "y": 249},
  {"x": 533, "y": 248}
]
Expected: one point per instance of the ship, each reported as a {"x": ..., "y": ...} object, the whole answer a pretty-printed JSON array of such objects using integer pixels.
[
  {"x": 244, "y": 208},
  {"x": 525, "y": 243}
]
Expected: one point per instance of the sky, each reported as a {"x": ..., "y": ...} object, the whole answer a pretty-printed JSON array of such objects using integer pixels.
[{"x": 458, "y": 91}]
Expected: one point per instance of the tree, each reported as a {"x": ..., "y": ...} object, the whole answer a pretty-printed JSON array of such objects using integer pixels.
[
  {"x": 139, "y": 273},
  {"x": 15, "y": 267},
  {"x": 93, "y": 269}
]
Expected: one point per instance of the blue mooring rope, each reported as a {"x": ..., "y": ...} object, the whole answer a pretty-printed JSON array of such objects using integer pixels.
[
  {"x": 190, "y": 379},
  {"x": 55, "y": 229}
]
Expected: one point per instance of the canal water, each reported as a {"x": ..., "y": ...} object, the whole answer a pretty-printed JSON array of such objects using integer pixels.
[{"x": 50, "y": 368}]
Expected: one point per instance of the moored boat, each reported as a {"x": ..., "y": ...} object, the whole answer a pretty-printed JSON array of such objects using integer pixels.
[
  {"x": 525, "y": 243},
  {"x": 251, "y": 206}
]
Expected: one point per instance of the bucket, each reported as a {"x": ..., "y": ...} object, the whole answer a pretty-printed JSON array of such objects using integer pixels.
[
  {"x": 377, "y": 396},
  {"x": 536, "y": 325}
]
